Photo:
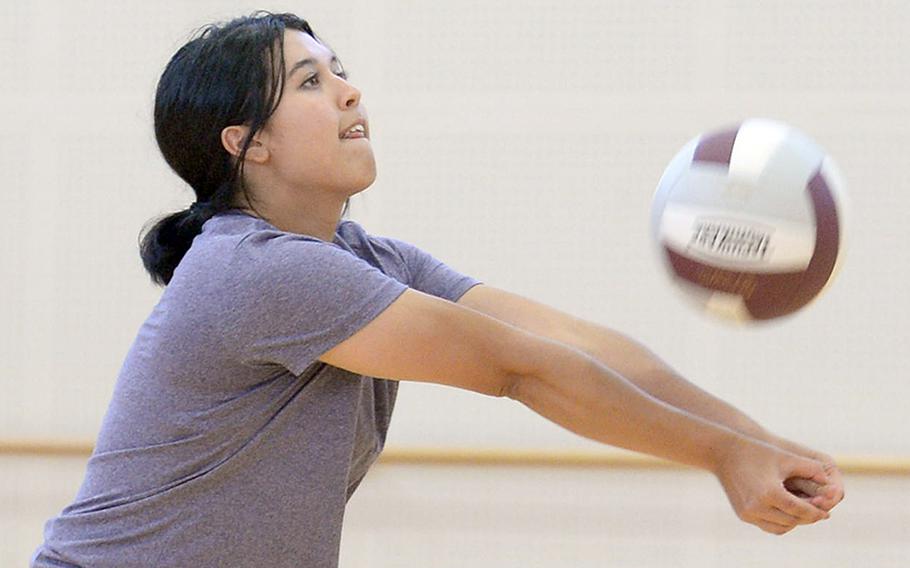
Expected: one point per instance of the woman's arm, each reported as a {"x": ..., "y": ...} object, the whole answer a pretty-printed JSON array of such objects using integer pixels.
[
  {"x": 423, "y": 338},
  {"x": 645, "y": 370},
  {"x": 615, "y": 350}
]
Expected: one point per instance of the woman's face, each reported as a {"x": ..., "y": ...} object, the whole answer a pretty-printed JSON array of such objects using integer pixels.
[{"x": 306, "y": 135}]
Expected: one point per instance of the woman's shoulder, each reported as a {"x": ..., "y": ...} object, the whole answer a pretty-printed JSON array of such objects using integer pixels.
[
  {"x": 246, "y": 246},
  {"x": 351, "y": 230},
  {"x": 358, "y": 238},
  {"x": 246, "y": 235},
  {"x": 236, "y": 247},
  {"x": 246, "y": 229}
]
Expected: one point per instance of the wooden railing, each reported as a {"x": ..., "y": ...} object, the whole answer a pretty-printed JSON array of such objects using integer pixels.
[{"x": 864, "y": 465}]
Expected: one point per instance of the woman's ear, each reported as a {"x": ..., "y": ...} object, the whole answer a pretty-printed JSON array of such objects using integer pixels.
[{"x": 232, "y": 140}]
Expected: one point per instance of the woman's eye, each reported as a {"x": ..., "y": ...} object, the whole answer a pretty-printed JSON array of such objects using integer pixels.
[{"x": 314, "y": 78}]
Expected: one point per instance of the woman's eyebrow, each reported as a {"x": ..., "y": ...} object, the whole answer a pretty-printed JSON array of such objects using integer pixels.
[{"x": 309, "y": 61}]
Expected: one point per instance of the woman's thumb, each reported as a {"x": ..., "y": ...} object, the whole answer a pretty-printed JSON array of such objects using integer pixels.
[{"x": 807, "y": 469}]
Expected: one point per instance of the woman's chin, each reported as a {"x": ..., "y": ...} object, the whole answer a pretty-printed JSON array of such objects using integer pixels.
[{"x": 365, "y": 182}]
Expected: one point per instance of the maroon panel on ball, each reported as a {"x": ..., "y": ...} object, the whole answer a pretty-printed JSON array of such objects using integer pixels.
[
  {"x": 827, "y": 241},
  {"x": 765, "y": 296},
  {"x": 711, "y": 277},
  {"x": 774, "y": 294},
  {"x": 716, "y": 147}
]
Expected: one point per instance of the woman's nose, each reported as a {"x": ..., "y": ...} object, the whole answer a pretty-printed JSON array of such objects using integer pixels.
[{"x": 350, "y": 96}]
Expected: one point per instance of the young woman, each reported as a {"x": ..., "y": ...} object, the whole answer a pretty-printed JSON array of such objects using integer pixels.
[{"x": 259, "y": 390}]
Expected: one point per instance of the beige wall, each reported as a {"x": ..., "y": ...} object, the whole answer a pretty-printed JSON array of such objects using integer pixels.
[{"x": 519, "y": 141}]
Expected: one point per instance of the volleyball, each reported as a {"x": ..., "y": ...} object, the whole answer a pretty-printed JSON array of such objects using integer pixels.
[{"x": 749, "y": 220}]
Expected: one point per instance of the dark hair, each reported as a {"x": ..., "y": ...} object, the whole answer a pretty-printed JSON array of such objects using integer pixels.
[{"x": 225, "y": 76}]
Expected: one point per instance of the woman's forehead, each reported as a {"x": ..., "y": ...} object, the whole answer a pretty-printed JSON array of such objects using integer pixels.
[{"x": 299, "y": 45}]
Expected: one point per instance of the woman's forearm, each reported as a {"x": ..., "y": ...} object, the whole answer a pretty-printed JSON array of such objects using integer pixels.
[
  {"x": 649, "y": 373},
  {"x": 655, "y": 377},
  {"x": 581, "y": 394},
  {"x": 667, "y": 385}
]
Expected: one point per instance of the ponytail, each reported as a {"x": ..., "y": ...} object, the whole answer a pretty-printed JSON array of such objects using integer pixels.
[{"x": 164, "y": 245}]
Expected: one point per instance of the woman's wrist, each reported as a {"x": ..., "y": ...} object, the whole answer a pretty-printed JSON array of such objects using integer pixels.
[{"x": 795, "y": 448}]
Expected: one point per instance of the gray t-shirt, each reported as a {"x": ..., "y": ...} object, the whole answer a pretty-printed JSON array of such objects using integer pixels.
[{"x": 226, "y": 443}]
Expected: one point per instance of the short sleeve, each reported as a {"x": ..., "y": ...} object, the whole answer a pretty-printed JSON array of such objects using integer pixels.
[
  {"x": 297, "y": 298},
  {"x": 428, "y": 274}
]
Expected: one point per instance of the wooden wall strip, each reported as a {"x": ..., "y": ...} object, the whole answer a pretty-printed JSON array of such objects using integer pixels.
[{"x": 860, "y": 465}]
